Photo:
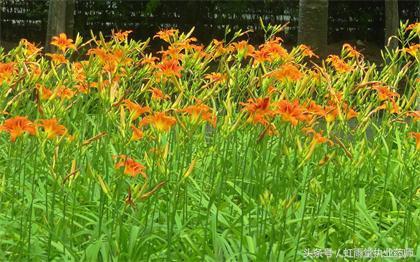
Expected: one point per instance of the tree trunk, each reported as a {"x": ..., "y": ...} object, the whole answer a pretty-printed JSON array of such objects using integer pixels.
[
  {"x": 70, "y": 18},
  {"x": 391, "y": 22},
  {"x": 313, "y": 24},
  {"x": 56, "y": 21}
]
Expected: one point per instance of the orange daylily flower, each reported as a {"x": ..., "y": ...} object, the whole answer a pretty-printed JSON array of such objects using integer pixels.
[
  {"x": 45, "y": 93},
  {"x": 414, "y": 27},
  {"x": 243, "y": 48},
  {"x": 160, "y": 121},
  {"x": 131, "y": 167},
  {"x": 269, "y": 51},
  {"x": 317, "y": 136},
  {"x": 64, "y": 92},
  {"x": 171, "y": 53},
  {"x": 62, "y": 42},
  {"x": 135, "y": 109},
  {"x": 220, "y": 49},
  {"x": 200, "y": 111},
  {"x": 384, "y": 93},
  {"x": 121, "y": 36},
  {"x": 215, "y": 77},
  {"x": 169, "y": 68},
  {"x": 416, "y": 135},
  {"x": 17, "y": 126},
  {"x": 339, "y": 65},
  {"x": 137, "y": 133},
  {"x": 307, "y": 51},
  {"x": 58, "y": 58},
  {"x": 261, "y": 56},
  {"x": 99, "y": 52},
  {"x": 415, "y": 115},
  {"x": 351, "y": 51},
  {"x": 286, "y": 71},
  {"x": 149, "y": 60},
  {"x": 291, "y": 112},
  {"x": 30, "y": 47},
  {"x": 258, "y": 110},
  {"x": 166, "y": 34},
  {"x": 7, "y": 70},
  {"x": 158, "y": 94},
  {"x": 52, "y": 128},
  {"x": 412, "y": 49}
]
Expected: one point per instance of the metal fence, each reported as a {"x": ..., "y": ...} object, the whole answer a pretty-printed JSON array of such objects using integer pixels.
[{"x": 347, "y": 19}]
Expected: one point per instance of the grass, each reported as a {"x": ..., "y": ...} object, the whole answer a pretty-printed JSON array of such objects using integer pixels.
[{"x": 159, "y": 159}]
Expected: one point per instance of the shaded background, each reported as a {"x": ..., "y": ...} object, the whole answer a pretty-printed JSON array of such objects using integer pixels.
[{"x": 347, "y": 20}]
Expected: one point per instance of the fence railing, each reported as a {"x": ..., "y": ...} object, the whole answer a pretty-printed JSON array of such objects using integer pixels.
[{"x": 347, "y": 19}]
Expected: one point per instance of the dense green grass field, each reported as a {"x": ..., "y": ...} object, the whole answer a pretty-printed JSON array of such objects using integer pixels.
[{"x": 225, "y": 152}]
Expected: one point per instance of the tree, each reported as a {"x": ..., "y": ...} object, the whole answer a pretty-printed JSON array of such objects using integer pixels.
[
  {"x": 60, "y": 19},
  {"x": 391, "y": 22},
  {"x": 313, "y": 24}
]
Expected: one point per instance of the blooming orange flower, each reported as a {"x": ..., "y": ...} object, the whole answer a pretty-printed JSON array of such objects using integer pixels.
[
  {"x": 160, "y": 121},
  {"x": 415, "y": 115},
  {"x": 158, "y": 94},
  {"x": 220, "y": 49},
  {"x": 166, "y": 34},
  {"x": 200, "y": 111},
  {"x": 351, "y": 51},
  {"x": 317, "y": 136},
  {"x": 31, "y": 48},
  {"x": 243, "y": 48},
  {"x": 149, "y": 60},
  {"x": 307, "y": 51},
  {"x": 17, "y": 126},
  {"x": 171, "y": 53},
  {"x": 291, "y": 112},
  {"x": 52, "y": 128},
  {"x": 414, "y": 26},
  {"x": 261, "y": 56},
  {"x": 62, "y": 42},
  {"x": 137, "y": 133},
  {"x": 351, "y": 113},
  {"x": 7, "y": 70},
  {"x": 131, "y": 167},
  {"x": 58, "y": 58},
  {"x": 215, "y": 77},
  {"x": 98, "y": 52},
  {"x": 416, "y": 135},
  {"x": 64, "y": 92},
  {"x": 339, "y": 65},
  {"x": 135, "y": 109},
  {"x": 121, "y": 36},
  {"x": 412, "y": 49},
  {"x": 169, "y": 68},
  {"x": 286, "y": 71},
  {"x": 384, "y": 93},
  {"x": 258, "y": 110},
  {"x": 45, "y": 93}
]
